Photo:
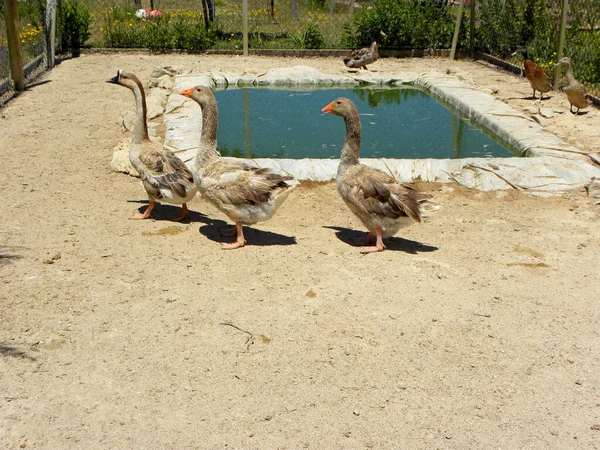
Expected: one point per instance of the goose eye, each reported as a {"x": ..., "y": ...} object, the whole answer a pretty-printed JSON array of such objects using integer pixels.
[
  {"x": 338, "y": 102},
  {"x": 198, "y": 90}
]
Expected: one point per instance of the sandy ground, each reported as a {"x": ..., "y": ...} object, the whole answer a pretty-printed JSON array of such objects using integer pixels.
[{"x": 475, "y": 329}]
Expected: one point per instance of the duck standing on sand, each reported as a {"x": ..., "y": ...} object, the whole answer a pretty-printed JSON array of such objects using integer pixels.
[
  {"x": 576, "y": 92},
  {"x": 246, "y": 194},
  {"x": 381, "y": 203}
]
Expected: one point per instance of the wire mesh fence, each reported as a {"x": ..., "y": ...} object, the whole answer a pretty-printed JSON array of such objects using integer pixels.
[
  {"x": 505, "y": 26},
  {"x": 498, "y": 28},
  {"x": 32, "y": 36}
]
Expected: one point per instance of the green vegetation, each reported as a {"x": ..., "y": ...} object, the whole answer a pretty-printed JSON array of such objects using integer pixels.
[
  {"x": 74, "y": 25},
  {"x": 174, "y": 30},
  {"x": 420, "y": 24}
]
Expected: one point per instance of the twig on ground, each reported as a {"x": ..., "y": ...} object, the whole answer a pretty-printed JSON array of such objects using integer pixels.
[{"x": 250, "y": 339}]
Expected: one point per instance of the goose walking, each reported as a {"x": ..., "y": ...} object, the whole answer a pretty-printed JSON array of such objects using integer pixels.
[
  {"x": 576, "y": 92},
  {"x": 164, "y": 176},
  {"x": 246, "y": 194},
  {"x": 381, "y": 203}
]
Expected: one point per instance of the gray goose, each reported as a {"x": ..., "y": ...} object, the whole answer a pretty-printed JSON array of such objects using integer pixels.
[
  {"x": 381, "y": 203},
  {"x": 164, "y": 176},
  {"x": 246, "y": 194}
]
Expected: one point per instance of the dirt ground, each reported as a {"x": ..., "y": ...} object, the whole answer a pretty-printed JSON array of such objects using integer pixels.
[{"x": 478, "y": 328}]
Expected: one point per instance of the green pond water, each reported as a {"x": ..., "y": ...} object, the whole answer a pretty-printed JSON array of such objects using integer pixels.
[{"x": 399, "y": 122}]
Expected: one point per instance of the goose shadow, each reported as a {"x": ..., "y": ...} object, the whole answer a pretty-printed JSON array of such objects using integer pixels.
[
  {"x": 13, "y": 352},
  {"x": 351, "y": 237},
  {"x": 164, "y": 212},
  {"x": 213, "y": 227},
  {"x": 6, "y": 256}
]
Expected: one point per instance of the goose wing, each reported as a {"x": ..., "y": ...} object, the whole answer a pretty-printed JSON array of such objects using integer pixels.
[
  {"x": 232, "y": 183},
  {"x": 376, "y": 193},
  {"x": 161, "y": 169}
]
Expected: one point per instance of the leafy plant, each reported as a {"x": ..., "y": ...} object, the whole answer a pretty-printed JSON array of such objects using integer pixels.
[
  {"x": 181, "y": 30},
  {"x": 313, "y": 38},
  {"x": 419, "y": 24},
  {"x": 74, "y": 25}
]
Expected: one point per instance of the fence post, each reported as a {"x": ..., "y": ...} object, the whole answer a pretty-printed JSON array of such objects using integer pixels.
[
  {"x": 51, "y": 6},
  {"x": 245, "y": 27},
  {"x": 15, "y": 55},
  {"x": 295, "y": 10},
  {"x": 561, "y": 40},
  {"x": 472, "y": 30},
  {"x": 461, "y": 7}
]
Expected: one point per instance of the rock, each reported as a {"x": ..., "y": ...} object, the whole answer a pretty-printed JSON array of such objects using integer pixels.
[
  {"x": 547, "y": 113},
  {"x": 593, "y": 189},
  {"x": 543, "y": 122},
  {"x": 156, "y": 101},
  {"x": 531, "y": 109},
  {"x": 301, "y": 75},
  {"x": 164, "y": 82},
  {"x": 163, "y": 70},
  {"x": 120, "y": 160},
  {"x": 128, "y": 120}
]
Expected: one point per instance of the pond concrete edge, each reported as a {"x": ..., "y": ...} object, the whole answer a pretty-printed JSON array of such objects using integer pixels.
[{"x": 550, "y": 166}]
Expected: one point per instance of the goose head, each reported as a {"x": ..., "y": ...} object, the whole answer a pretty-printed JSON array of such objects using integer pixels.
[
  {"x": 200, "y": 94},
  {"x": 341, "y": 107},
  {"x": 127, "y": 79},
  {"x": 566, "y": 61}
]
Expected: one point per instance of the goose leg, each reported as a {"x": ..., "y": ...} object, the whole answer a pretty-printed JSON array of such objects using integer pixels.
[
  {"x": 145, "y": 214},
  {"x": 183, "y": 215},
  {"x": 240, "y": 241},
  {"x": 379, "y": 247},
  {"x": 533, "y": 96}
]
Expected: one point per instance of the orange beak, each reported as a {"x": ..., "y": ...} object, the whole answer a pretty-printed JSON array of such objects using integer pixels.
[
  {"x": 187, "y": 92},
  {"x": 328, "y": 108}
]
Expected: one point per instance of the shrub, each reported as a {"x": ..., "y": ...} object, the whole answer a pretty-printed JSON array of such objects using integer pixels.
[
  {"x": 181, "y": 30},
  {"x": 423, "y": 24},
  {"x": 74, "y": 25},
  {"x": 313, "y": 39}
]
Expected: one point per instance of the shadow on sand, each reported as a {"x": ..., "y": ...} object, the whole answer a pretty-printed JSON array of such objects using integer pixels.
[{"x": 351, "y": 237}]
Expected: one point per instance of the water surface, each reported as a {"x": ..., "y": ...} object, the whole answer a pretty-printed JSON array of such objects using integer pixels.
[{"x": 396, "y": 123}]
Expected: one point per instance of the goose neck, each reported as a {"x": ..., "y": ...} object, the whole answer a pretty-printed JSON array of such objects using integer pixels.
[
  {"x": 208, "y": 139},
  {"x": 351, "y": 147},
  {"x": 140, "y": 127}
]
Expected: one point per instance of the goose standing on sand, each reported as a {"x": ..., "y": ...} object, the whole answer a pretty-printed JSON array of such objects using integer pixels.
[
  {"x": 538, "y": 79},
  {"x": 363, "y": 56},
  {"x": 246, "y": 194},
  {"x": 576, "y": 92},
  {"x": 381, "y": 203},
  {"x": 164, "y": 176}
]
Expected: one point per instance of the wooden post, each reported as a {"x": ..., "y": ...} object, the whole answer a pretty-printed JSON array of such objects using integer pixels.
[
  {"x": 472, "y": 30},
  {"x": 245, "y": 26},
  {"x": 561, "y": 40},
  {"x": 15, "y": 55},
  {"x": 461, "y": 7},
  {"x": 51, "y": 6},
  {"x": 294, "y": 10}
]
